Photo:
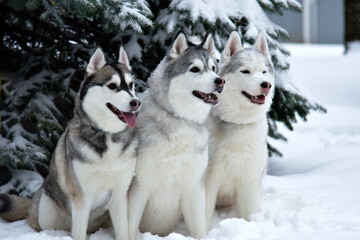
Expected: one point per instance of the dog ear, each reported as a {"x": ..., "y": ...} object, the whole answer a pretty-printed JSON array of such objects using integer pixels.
[
  {"x": 96, "y": 62},
  {"x": 232, "y": 46},
  {"x": 209, "y": 44},
  {"x": 179, "y": 45},
  {"x": 123, "y": 58},
  {"x": 261, "y": 45}
]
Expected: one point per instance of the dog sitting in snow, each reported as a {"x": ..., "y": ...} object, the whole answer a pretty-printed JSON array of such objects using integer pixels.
[
  {"x": 238, "y": 127},
  {"x": 173, "y": 149},
  {"x": 94, "y": 160}
]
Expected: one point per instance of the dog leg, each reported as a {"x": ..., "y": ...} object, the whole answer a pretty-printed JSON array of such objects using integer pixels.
[
  {"x": 118, "y": 213},
  {"x": 211, "y": 195},
  {"x": 137, "y": 201},
  {"x": 193, "y": 208},
  {"x": 44, "y": 214},
  {"x": 80, "y": 219},
  {"x": 47, "y": 213},
  {"x": 248, "y": 200}
]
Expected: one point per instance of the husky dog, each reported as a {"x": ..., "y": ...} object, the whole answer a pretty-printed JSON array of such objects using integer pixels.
[
  {"x": 173, "y": 148},
  {"x": 94, "y": 160},
  {"x": 238, "y": 128}
]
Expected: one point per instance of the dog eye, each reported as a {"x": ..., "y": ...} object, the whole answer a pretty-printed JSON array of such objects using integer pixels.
[
  {"x": 131, "y": 85},
  {"x": 112, "y": 86},
  {"x": 245, "y": 71},
  {"x": 194, "y": 69},
  {"x": 214, "y": 68},
  {"x": 264, "y": 72}
]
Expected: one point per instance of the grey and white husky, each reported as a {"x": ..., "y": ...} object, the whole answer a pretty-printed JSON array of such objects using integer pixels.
[
  {"x": 94, "y": 160},
  {"x": 173, "y": 149},
  {"x": 238, "y": 126}
]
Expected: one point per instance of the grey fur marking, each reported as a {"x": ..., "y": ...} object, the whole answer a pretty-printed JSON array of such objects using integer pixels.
[
  {"x": 237, "y": 60},
  {"x": 101, "y": 77},
  {"x": 124, "y": 139},
  {"x": 52, "y": 188},
  {"x": 182, "y": 63},
  {"x": 95, "y": 138},
  {"x": 71, "y": 152}
]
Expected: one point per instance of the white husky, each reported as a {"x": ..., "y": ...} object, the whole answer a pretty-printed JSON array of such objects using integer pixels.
[
  {"x": 238, "y": 127},
  {"x": 173, "y": 148}
]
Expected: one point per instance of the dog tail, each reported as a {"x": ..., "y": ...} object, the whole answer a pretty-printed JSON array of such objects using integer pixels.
[{"x": 14, "y": 208}]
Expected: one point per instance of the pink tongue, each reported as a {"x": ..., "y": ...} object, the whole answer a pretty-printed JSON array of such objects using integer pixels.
[
  {"x": 130, "y": 119},
  {"x": 261, "y": 98}
]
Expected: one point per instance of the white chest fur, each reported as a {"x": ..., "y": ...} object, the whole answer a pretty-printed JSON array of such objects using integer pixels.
[
  {"x": 237, "y": 164},
  {"x": 170, "y": 171},
  {"x": 100, "y": 175},
  {"x": 239, "y": 150},
  {"x": 179, "y": 156}
]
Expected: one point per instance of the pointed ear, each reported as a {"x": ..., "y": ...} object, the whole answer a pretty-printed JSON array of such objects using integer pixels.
[
  {"x": 232, "y": 46},
  {"x": 96, "y": 62},
  {"x": 179, "y": 45},
  {"x": 261, "y": 45},
  {"x": 123, "y": 58},
  {"x": 209, "y": 45}
]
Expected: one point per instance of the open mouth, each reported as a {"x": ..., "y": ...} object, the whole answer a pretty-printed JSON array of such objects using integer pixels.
[
  {"x": 126, "y": 117},
  {"x": 210, "y": 98},
  {"x": 259, "y": 99}
]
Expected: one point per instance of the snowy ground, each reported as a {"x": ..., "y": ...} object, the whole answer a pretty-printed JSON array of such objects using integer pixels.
[{"x": 313, "y": 192}]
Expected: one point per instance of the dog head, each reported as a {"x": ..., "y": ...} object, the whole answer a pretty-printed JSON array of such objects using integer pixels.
[
  {"x": 185, "y": 81},
  {"x": 250, "y": 81},
  {"x": 107, "y": 95}
]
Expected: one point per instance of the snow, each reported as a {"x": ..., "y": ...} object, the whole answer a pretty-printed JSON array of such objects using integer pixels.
[
  {"x": 133, "y": 48},
  {"x": 209, "y": 11},
  {"x": 336, "y": 76},
  {"x": 29, "y": 181},
  {"x": 354, "y": 47},
  {"x": 313, "y": 191},
  {"x": 127, "y": 13}
]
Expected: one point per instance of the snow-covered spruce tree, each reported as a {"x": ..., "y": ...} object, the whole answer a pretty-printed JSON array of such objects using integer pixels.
[{"x": 44, "y": 48}]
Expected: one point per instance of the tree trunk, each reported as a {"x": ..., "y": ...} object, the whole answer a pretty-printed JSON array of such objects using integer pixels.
[{"x": 352, "y": 21}]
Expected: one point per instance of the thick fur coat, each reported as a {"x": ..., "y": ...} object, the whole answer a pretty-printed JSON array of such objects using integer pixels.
[
  {"x": 94, "y": 160},
  {"x": 238, "y": 127},
  {"x": 173, "y": 150}
]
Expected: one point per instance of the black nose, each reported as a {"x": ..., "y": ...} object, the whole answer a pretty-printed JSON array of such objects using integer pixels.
[
  {"x": 135, "y": 104},
  {"x": 219, "y": 82},
  {"x": 265, "y": 85}
]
